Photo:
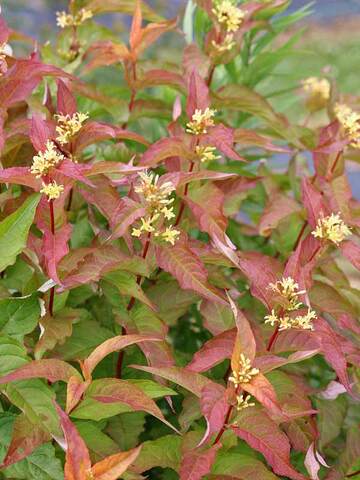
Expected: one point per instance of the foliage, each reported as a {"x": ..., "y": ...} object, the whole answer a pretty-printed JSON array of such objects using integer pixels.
[{"x": 174, "y": 305}]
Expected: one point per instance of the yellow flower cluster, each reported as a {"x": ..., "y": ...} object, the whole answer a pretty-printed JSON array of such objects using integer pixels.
[
  {"x": 158, "y": 207},
  {"x": 285, "y": 322},
  {"x": 43, "y": 161},
  {"x": 350, "y": 122},
  {"x": 243, "y": 403},
  {"x": 244, "y": 373},
  {"x": 289, "y": 291},
  {"x": 226, "y": 45},
  {"x": 317, "y": 87},
  {"x": 331, "y": 228},
  {"x": 229, "y": 15},
  {"x": 206, "y": 154},
  {"x": 64, "y": 19},
  {"x": 69, "y": 125},
  {"x": 201, "y": 121},
  {"x": 52, "y": 190}
]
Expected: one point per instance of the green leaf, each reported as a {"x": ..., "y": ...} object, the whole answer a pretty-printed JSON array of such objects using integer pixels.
[
  {"x": 165, "y": 452},
  {"x": 19, "y": 316},
  {"x": 42, "y": 464},
  {"x": 126, "y": 428},
  {"x": 237, "y": 465},
  {"x": 14, "y": 231},
  {"x": 99, "y": 444}
]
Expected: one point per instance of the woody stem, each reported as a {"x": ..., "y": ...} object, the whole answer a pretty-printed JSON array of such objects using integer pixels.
[
  {"x": 129, "y": 307},
  {"x": 52, "y": 228}
]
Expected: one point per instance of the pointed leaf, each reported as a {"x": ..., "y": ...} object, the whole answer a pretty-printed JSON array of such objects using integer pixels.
[
  {"x": 112, "y": 467},
  {"x": 53, "y": 370}
]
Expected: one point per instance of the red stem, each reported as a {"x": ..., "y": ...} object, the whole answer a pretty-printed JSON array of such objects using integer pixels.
[
  {"x": 335, "y": 162},
  {"x": 130, "y": 305},
  {"x": 273, "y": 338},
  {"x": 353, "y": 474},
  {"x": 182, "y": 205},
  {"x": 52, "y": 228},
  {"x": 227, "y": 418},
  {"x": 211, "y": 75},
  {"x": 300, "y": 235},
  {"x": 133, "y": 94}
]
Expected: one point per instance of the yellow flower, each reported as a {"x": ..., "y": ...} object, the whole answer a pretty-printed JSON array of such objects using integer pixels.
[
  {"x": 350, "y": 122},
  {"x": 317, "y": 87},
  {"x": 243, "y": 403},
  {"x": 331, "y": 228},
  {"x": 52, "y": 190},
  {"x": 229, "y": 15},
  {"x": 69, "y": 125},
  {"x": 206, "y": 154},
  {"x": 289, "y": 290},
  {"x": 200, "y": 121},
  {"x": 285, "y": 322},
  {"x": 226, "y": 45},
  {"x": 245, "y": 371},
  {"x": 156, "y": 197},
  {"x": 43, "y": 161},
  {"x": 64, "y": 19},
  {"x": 170, "y": 235}
]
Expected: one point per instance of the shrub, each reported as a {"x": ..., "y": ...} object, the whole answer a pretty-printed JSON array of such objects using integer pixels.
[{"x": 179, "y": 260}]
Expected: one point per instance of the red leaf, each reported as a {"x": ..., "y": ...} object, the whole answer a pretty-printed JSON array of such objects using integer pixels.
[
  {"x": 196, "y": 464},
  {"x": 351, "y": 251},
  {"x": 213, "y": 351},
  {"x": 222, "y": 138},
  {"x": 263, "y": 435},
  {"x": 94, "y": 132},
  {"x": 111, "y": 468},
  {"x": 26, "y": 437},
  {"x": 40, "y": 132},
  {"x": 214, "y": 406},
  {"x": 313, "y": 202},
  {"x": 278, "y": 207},
  {"x": 135, "y": 32},
  {"x": 194, "y": 382},
  {"x": 188, "y": 270},
  {"x": 66, "y": 102},
  {"x": 77, "y": 460},
  {"x": 55, "y": 247},
  {"x": 198, "y": 94},
  {"x": 75, "y": 171},
  {"x": 20, "y": 176},
  {"x": 163, "y": 149},
  {"x": 330, "y": 345},
  {"x": 264, "y": 392},
  {"x": 261, "y": 270},
  {"x": 250, "y": 138},
  {"x": 112, "y": 390},
  {"x": 112, "y": 345},
  {"x": 53, "y": 370}
]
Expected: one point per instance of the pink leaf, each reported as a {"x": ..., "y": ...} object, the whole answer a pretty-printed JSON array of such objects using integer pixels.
[
  {"x": 66, "y": 102},
  {"x": 112, "y": 390},
  {"x": 214, "y": 406},
  {"x": 188, "y": 270},
  {"x": 213, "y": 352},
  {"x": 222, "y": 138},
  {"x": 113, "y": 345},
  {"x": 20, "y": 176},
  {"x": 330, "y": 345},
  {"x": 40, "y": 132},
  {"x": 55, "y": 248},
  {"x": 53, "y": 370},
  {"x": 313, "y": 202},
  {"x": 351, "y": 251},
  {"x": 262, "y": 434},
  {"x": 198, "y": 94},
  {"x": 194, "y": 382},
  {"x": 196, "y": 464}
]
